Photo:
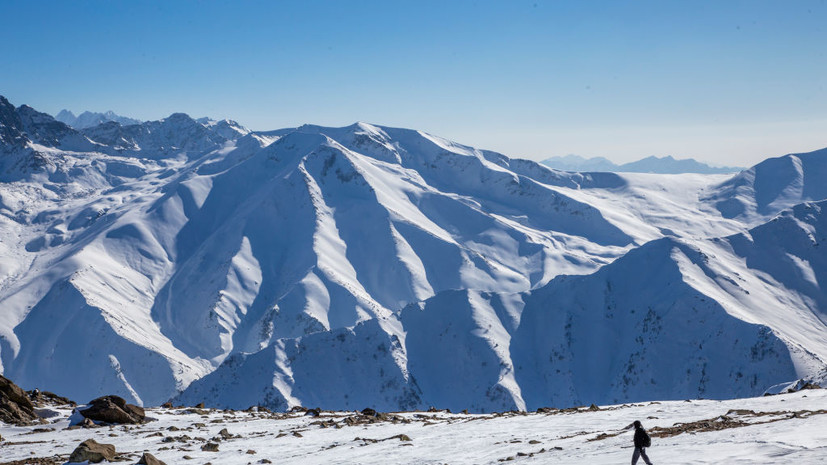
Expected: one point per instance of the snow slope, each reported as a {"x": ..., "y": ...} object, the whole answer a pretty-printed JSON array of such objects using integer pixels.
[
  {"x": 149, "y": 256},
  {"x": 672, "y": 319},
  {"x": 773, "y": 185},
  {"x": 775, "y": 429}
]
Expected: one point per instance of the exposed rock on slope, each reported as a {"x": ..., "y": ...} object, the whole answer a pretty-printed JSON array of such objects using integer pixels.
[
  {"x": 15, "y": 406},
  {"x": 91, "y": 451},
  {"x": 113, "y": 410}
]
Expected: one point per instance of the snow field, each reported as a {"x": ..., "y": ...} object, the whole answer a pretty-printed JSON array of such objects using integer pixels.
[{"x": 570, "y": 437}]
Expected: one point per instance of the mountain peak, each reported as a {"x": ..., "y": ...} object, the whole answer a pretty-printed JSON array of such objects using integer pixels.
[
  {"x": 88, "y": 119},
  {"x": 65, "y": 116},
  {"x": 10, "y": 125},
  {"x": 179, "y": 117}
]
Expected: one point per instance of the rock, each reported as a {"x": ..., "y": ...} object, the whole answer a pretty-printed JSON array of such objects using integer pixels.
[
  {"x": 149, "y": 459},
  {"x": 200, "y": 405},
  {"x": 225, "y": 434},
  {"x": 113, "y": 409},
  {"x": 87, "y": 423},
  {"x": 210, "y": 447},
  {"x": 136, "y": 411},
  {"x": 45, "y": 398},
  {"x": 15, "y": 406},
  {"x": 369, "y": 412},
  {"x": 93, "y": 451},
  {"x": 167, "y": 405},
  {"x": 251, "y": 452},
  {"x": 46, "y": 413}
]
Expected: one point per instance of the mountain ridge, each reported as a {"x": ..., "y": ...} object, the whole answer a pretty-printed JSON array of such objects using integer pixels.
[
  {"x": 204, "y": 254},
  {"x": 651, "y": 164},
  {"x": 89, "y": 119}
]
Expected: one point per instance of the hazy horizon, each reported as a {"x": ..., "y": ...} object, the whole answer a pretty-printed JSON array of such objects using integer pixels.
[{"x": 728, "y": 83}]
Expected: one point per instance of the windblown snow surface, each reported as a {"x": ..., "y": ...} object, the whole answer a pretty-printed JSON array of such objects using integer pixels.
[
  {"x": 790, "y": 428},
  {"x": 369, "y": 266}
]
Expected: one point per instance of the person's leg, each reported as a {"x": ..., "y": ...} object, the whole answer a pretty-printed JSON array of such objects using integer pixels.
[
  {"x": 635, "y": 455},
  {"x": 645, "y": 457}
]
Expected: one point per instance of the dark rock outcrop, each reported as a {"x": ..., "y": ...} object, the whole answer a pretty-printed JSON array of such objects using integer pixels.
[
  {"x": 149, "y": 459},
  {"x": 11, "y": 127},
  {"x": 15, "y": 406},
  {"x": 210, "y": 447},
  {"x": 93, "y": 451},
  {"x": 45, "y": 398},
  {"x": 113, "y": 409}
]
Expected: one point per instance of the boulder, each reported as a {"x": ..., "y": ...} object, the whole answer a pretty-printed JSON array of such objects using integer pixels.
[
  {"x": 87, "y": 423},
  {"x": 149, "y": 459},
  {"x": 15, "y": 406},
  {"x": 45, "y": 398},
  {"x": 93, "y": 451},
  {"x": 136, "y": 410},
  {"x": 113, "y": 410},
  {"x": 210, "y": 447}
]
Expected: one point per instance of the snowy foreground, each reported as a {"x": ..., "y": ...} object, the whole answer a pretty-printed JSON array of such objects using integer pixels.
[{"x": 790, "y": 428}]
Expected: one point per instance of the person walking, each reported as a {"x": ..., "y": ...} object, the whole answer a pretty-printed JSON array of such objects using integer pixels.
[{"x": 642, "y": 441}]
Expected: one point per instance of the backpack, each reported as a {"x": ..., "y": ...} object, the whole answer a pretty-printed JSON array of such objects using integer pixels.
[{"x": 647, "y": 441}]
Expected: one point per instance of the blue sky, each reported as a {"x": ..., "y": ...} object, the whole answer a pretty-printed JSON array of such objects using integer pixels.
[{"x": 729, "y": 82}]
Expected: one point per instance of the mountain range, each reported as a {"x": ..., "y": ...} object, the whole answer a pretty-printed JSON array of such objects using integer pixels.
[
  {"x": 390, "y": 268},
  {"x": 652, "y": 164},
  {"x": 88, "y": 119}
]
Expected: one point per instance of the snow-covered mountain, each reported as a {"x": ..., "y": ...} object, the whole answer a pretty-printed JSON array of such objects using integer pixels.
[
  {"x": 675, "y": 318},
  {"x": 374, "y": 266},
  {"x": 773, "y": 185},
  {"x": 651, "y": 164},
  {"x": 89, "y": 119},
  {"x": 573, "y": 162}
]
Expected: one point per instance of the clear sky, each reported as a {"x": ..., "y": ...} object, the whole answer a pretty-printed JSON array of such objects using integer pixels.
[{"x": 728, "y": 82}]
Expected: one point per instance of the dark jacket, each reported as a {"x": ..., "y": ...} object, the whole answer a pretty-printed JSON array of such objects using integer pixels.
[{"x": 640, "y": 435}]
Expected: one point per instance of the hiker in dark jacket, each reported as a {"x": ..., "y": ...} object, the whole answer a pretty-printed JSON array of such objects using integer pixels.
[{"x": 642, "y": 441}]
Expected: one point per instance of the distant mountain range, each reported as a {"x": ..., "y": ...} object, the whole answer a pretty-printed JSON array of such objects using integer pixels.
[
  {"x": 88, "y": 119},
  {"x": 371, "y": 266},
  {"x": 660, "y": 165}
]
